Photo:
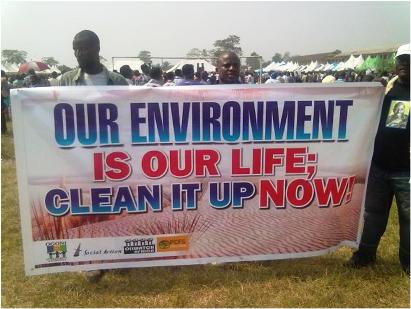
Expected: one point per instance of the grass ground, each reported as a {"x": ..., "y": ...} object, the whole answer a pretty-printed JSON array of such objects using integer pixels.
[{"x": 309, "y": 282}]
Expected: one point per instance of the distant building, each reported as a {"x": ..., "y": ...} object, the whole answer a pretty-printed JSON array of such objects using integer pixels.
[
  {"x": 337, "y": 55},
  {"x": 320, "y": 58}
]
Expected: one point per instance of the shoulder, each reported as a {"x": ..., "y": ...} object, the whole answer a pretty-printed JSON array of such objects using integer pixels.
[{"x": 67, "y": 79}]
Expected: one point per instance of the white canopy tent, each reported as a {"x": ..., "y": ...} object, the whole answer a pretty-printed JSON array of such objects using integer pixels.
[
  {"x": 350, "y": 63},
  {"x": 340, "y": 66},
  {"x": 196, "y": 63},
  {"x": 311, "y": 67},
  {"x": 358, "y": 61},
  {"x": 273, "y": 66}
]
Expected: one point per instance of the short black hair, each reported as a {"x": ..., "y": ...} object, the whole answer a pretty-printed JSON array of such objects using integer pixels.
[
  {"x": 90, "y": 35},
  {"x": 187, "y": 69},
  {"x": 126, "y": 71},
  {"x": 155, "y": 72},
  {"x": 229, "y": 53},
  {"x": 145, "y": 68},
  {"x": 169, "y": 75},
  {"x": 177, "y": 72}
]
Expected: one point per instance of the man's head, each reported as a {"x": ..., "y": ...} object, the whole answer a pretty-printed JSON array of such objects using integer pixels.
[
  {"x": 169, "y": 76},
  {"x": 188, "y": 71},
  {"x": 178, "y": 73},
  {"x": 126, "y": 71},
  {"x": 204, "y": 75},
  {"x": 86, "y": 46},
  {"x": 54, "y": 74},
  {"x": 228, "y": 68},
  {"x": 156, "y": 72},
  {"x": 399, "y": 109},
  {"x": 402, "y": 63},
  {"x": 145, "y": 69}
]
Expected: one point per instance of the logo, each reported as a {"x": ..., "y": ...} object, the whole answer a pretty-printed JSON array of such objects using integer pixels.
[
  {"x": 139, "y": 246},
  {"x": 173, "y": 243},
  {"x": 56, "y": 251},
  {"x": 87, "y": 252},
  {"x": 78, "y": 250}
]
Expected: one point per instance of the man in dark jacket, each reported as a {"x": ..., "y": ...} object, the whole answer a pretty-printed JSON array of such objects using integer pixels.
[
  {"x": 90, "y": 72},
  {"x": 390, "y": 172}
]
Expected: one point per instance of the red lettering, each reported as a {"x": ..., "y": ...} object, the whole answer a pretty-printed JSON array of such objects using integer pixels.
[
  {"x": 274, "y": 193},
  {"x": 272, "y": 157},
  {"x": 175, "y": 158},
  {"x": 206, "y": 161},
  {"x": 236, "y": 168},
  {"x": 300, "y": 193},
  {"x": 147, "y": 164},
  {"x": 119, "y": 169},
  {"x": 98, "y": 161},
  {"x": 331, "y": 192},
  {"x": 257, "y": 161},
  {"x": 295, "y": 157}
]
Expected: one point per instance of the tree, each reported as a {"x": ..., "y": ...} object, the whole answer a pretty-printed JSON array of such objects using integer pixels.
[
  {"x": 13, "y": 56},
  {"x": 50, "y": 61},
  {"x": 145, "y": 56},
  {"x": 232, "y": 43},
  {"x": 166, "y": 66},
  {"x": 277, "y": 57},
  {"x": 286, "y": 56},
  {"x": 254, "y": 63},
  {"x": 197, "y": 53}
]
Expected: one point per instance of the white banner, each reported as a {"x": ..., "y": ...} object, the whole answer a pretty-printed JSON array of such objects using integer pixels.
[{"x": 113, "y": 177}]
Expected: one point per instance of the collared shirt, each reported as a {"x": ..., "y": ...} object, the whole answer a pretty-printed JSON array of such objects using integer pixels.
[{"x": 76, "y": 78}]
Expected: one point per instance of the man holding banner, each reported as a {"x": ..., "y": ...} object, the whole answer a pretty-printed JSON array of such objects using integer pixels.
[
  {"x": 124, "y": 177},
  {"x": 228, "y": 68},
  {"x": 390, "y": 171},
  {"x": 91, "y": 72}
]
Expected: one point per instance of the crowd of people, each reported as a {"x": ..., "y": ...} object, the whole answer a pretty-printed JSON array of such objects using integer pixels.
[
  {"x": 188, "y": 76},
  {"x": 390, "y": 168}
]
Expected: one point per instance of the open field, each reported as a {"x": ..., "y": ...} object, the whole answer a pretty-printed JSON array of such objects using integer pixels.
[{"x": 309, "y": 282}]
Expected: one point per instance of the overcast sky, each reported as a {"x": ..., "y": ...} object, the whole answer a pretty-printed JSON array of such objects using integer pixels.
[{"x": 173, "y": 28}]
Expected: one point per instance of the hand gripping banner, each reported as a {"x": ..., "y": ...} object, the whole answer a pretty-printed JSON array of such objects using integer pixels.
[{"x": 113, "y": 177}]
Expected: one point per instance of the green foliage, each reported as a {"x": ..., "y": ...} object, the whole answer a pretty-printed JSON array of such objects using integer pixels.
[
  {"x": 13, "y": 56},
  {"x": 286, "y": 57},
  {"x": 277, "y": 57},
  {"x": 231, "y": 43},
  {"x": 254, "y": 63},
  {"x": 145, "y": 56},
  {"x": 166, "y": 66},
  {"x": 309, "y": 282},
  {"x": 197, "y": 53},
  {"x": 50, "y": 61}
]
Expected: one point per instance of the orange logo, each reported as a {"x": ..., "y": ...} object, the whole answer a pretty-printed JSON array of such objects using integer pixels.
[{"x": 172, "y": 243}]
